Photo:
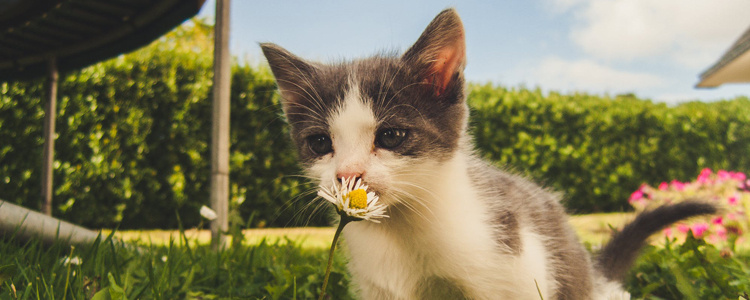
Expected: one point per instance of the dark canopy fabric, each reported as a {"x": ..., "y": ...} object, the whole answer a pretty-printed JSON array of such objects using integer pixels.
[{"x": 78, "y": 33}]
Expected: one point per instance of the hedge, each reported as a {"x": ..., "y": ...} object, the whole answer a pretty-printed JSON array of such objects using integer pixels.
[
  {"x": 133, "y": 145},
  {"x": 134, "y": 132},
  {"x": 598, "y": 150}
]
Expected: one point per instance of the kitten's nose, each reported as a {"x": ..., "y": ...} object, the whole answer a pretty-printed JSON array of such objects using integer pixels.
[{"x": 355, "y": 175}]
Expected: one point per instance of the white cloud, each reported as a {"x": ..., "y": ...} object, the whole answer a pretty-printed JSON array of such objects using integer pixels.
[
  {"x": 690, "y": 33},
  {"x": 587, "y": 75}
]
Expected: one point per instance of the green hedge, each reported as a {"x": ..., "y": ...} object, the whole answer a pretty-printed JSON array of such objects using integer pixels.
[
  {"x": 133, "y": 145},
  {"x": 133, "y": 141},
  {"x": 598, "y": 150}
]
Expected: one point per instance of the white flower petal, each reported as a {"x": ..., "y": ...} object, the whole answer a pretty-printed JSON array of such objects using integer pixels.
[
  {"x": 208, "y": 213},
  {"x": 71, "y": 261},
  {"x": 335, "y": 194}
]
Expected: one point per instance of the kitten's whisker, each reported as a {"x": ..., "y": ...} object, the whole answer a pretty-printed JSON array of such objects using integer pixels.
[
  {"x": 409, "y": 205},
  {"x": 317, "y": 209},
  {"x": 390, "y": 84},
  {"x": 292, "y": 103},
  {"x": 421, "y": 116},
  {"x": 317, "y": 117},
  {"x": 291, "y": 203},
  {"x": 311, "y": 98},
  {"x": 304, "y": 77}
]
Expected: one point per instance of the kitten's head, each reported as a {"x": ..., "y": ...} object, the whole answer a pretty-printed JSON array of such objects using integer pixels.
[{"x": 389, "y": 120}]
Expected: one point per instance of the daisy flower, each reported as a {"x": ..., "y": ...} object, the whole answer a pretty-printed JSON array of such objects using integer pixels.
[
  {"x": 353, "y": 203},
  {"x": 352, "y": 200},
  {"x": 71, "y": 261},
  {"x": 208, "y": 213}
]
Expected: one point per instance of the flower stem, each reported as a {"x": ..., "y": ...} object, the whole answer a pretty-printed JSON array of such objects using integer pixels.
[{"x": 342, "y": 223}]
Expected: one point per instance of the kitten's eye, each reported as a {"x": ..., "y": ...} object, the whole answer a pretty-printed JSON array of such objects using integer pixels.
[
  {"x": 320, "y": 143},
  {"x": 390, "y": 138}
]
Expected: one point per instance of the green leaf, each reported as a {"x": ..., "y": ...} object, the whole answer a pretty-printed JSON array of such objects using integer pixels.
[
  {"x": 103, "y": 294},
  {"x": 683, "y": 283},
  {"x": 115, "y": 291}
]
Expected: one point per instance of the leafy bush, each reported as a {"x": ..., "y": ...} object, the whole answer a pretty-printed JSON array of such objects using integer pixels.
[
  {"x": 599, "y": 149},
  {"x": 705, "y": 265},
  {"x": 692, "y": 270}
]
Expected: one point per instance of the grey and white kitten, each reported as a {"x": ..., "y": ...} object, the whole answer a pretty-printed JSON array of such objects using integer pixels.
[{"x": 458, "y": 227}]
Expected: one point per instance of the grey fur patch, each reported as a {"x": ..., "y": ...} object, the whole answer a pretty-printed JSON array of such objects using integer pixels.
[
  {"x": 539, "y": 210},
  {"x": 509, "y": 234}
]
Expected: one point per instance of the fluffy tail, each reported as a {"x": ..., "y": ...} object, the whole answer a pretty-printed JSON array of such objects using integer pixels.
[{"x": 619, "y": 254}]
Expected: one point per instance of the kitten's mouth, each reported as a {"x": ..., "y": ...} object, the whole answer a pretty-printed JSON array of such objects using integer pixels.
[{"x": 374, "y": 187}]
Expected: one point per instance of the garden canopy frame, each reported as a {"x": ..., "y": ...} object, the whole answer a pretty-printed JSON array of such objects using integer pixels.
[
  {"x": 78, "y": 33},
  {"x": 46, "y": 37}
]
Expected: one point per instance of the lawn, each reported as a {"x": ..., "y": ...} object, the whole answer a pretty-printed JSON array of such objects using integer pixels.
[
  {"x": 593, "y": 229},
  {"x": 289, "y": 263}
]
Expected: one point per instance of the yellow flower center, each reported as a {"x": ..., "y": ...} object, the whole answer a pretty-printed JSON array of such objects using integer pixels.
[{"x": 357, "y": 199}]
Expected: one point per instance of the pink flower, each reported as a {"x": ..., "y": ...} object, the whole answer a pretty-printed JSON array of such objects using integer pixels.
[
  {"x": 668, "y": 232},
  {"x": 713, "y": 238},
  {"x": 635, "y": 196},
  {"x": 718, "y": 220},
  {"x": 663, "y": 186},
  {"x": 739, "y": 176},
  {"x": 733, "y": 200},
  {"x": 723, "y": 175},
  {"x": 683, "y": 228},
  {"x": 721, "y": 232},
  {"x": 698, "y": 229},
  {"x": 705, "y": 175},
  {"x": 677, "y": 185}
]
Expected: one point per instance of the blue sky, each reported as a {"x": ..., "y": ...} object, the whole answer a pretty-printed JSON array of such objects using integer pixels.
[{"x": 655, "y": 49}]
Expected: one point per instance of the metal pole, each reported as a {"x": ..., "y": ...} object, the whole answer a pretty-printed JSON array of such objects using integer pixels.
[
  {"x": 220, "y": 133},
  {"x": 50, "y": 111},
  {"x": 26, "y": 224}
]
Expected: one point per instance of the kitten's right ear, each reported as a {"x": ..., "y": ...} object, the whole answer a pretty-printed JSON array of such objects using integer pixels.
[{"x": 292, "y": 73}]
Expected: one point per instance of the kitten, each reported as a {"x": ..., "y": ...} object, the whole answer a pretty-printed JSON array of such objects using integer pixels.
[{"x": 458, "y": 227}]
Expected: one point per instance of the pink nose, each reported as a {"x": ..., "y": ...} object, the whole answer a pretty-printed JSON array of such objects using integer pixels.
[{"x": 355, "y": 175}]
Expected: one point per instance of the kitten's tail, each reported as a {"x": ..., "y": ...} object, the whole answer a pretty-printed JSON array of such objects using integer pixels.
[{"x": 619, "y": 254}]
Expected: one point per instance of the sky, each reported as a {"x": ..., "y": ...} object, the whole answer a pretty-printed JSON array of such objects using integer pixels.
[{"x": 653, "y": 49}]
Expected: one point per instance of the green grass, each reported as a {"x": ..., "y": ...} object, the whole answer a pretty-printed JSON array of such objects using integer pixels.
[
  {"x": 108, "y": 270},
  {"x": 289, "y": 264}
]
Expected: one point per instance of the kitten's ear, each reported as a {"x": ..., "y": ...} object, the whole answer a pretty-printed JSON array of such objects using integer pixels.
[
  {"x": 292, "y": 73},
  {"x": 440, "y": 52}
]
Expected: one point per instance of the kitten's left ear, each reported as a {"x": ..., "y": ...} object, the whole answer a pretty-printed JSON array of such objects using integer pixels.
[
  {"x": 440, "y": 52},
  {"x": 292, "y": 73}
]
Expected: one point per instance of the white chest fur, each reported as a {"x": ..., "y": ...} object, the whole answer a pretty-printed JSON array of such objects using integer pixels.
[{"x": 451, "y": 237}]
